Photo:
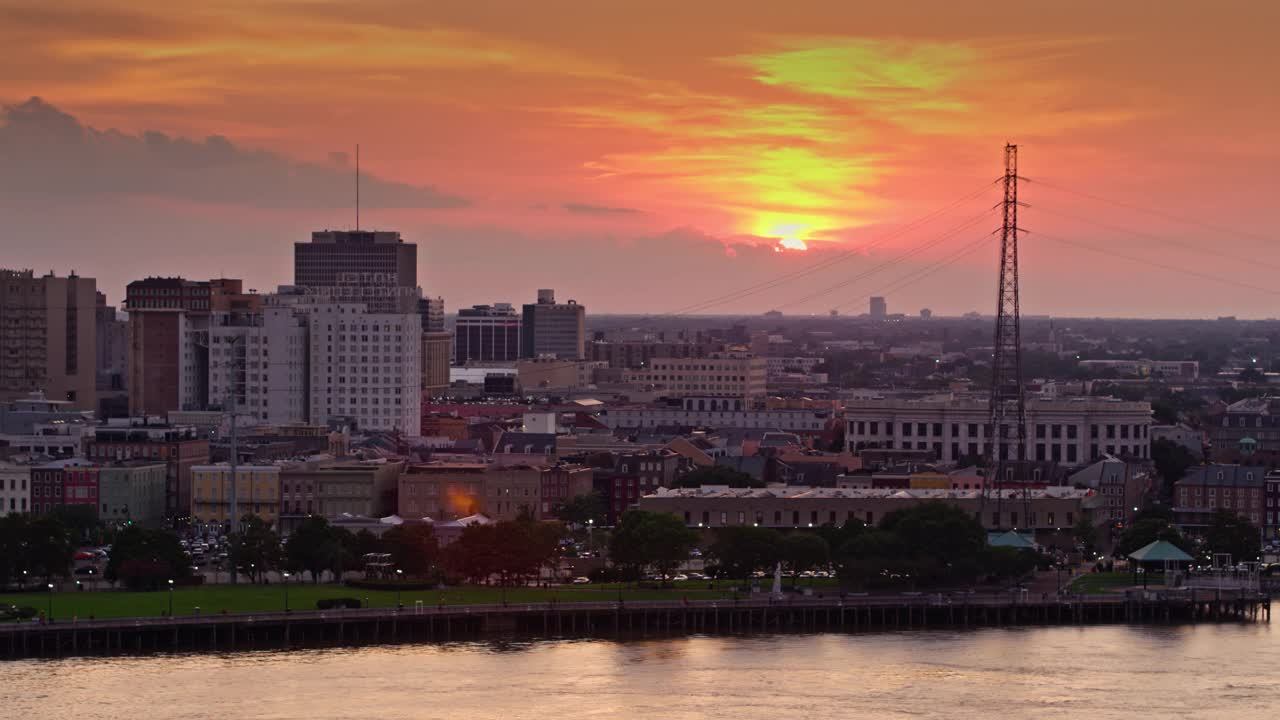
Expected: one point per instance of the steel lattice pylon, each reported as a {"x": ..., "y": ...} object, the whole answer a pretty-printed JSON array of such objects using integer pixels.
[{"x": 1006, "y": 447}]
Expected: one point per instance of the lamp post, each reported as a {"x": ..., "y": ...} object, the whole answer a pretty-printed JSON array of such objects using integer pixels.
[
  {"x": 286, "y": 590},
  {"x": 50, "y": 602},
  {"x": 171, "y": 598},
  {"x": 399, "y": 575}
]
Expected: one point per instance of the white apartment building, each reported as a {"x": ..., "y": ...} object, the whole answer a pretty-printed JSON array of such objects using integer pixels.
[
  {"x": 15, "y": 488},
  {"x": 258, "y": 363},
  {"x": 365, "y": 366},
  {"x": 1070, "y": 431},
  {"x": 721, "y": 375},
  {"x": 308, "y": 358}
]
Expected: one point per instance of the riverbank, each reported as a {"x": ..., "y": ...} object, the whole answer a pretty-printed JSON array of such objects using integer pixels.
[{"x": 425, "y": 623}]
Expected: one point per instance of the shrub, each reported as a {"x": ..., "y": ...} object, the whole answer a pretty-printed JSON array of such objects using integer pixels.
[{"x": 336, "y": 603}]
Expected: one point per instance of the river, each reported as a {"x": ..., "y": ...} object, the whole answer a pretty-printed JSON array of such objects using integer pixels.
[{"x": 1203, "y": 671}]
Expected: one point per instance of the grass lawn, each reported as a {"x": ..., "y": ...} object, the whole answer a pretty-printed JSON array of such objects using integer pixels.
[
  {"x": 1100, "y": 583},
  {"x": 246, "y": 598}
]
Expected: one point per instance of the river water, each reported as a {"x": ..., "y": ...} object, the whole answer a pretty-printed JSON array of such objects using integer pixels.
[{"x": 1205, "y": 671}]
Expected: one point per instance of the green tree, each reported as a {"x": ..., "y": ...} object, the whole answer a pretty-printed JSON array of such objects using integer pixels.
[
  {"x": 743, "y": 549},
  {"x": 718, "y": 475},
  {"x": 802, "y": 552},
  {"x": 871, "y": 559},
  {"x": 648, "y": 539},
  {"x": 414, "y": 548},
  {"x": 1171, "y": 462},
  {"x": 580, "y": 509},
  {"x": 255, "y": 549},
  {"x": 39, "y": 546},
  {"x": 1252, "y": 375},
  {"x": 941, "y": 543},
  {"x": 147, "y": 559},
  {"x": 1147, "y": 530},
  {"x": 312, "y": 547},
  {"x": 1234, "y": 534},
  {"x": 1086, "y": 533},
  {"x": 474, "y": 555},
  {"x": 49, "y": 547}
]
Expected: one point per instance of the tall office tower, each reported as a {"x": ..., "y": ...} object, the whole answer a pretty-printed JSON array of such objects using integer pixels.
[
  {"x": 373, "y": 267},
  {"x": 879, "y": 308},
  {"x": 169, "y": 322},
  {"x": 486, "y": 333},
  {"x": 553, "y": 330},
  {"x": 48, "y": 337}
]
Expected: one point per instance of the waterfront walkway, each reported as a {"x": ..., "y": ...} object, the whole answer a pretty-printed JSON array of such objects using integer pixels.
[{"x": 755, "y": 614}]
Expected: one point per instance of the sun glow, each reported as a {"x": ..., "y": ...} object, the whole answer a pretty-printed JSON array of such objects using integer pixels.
[{"x": 792, "y": 243}]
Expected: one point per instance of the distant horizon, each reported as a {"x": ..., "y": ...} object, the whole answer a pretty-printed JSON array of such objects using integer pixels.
[{"x": 817, "y": 156}]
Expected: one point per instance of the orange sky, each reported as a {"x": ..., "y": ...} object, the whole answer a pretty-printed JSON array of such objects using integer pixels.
[{"x": 650, "y": 156}]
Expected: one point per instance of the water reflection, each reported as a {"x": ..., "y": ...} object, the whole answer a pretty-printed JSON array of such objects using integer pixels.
[{"x": 1210, "y": 671}]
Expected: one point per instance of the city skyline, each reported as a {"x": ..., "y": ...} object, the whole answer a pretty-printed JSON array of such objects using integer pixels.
[{"x": 647, "y": 163}]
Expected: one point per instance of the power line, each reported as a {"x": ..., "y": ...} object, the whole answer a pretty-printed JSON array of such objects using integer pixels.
[
  {"x": 1163, "y": 266},
  {"x": 891, "y": 262},
  {"x": 1138, "y": 233},
  {"x": 1151, "y": 211},
  {"x": 762, "y": 286},
  {"x": 921, "y": 273},
  {"x": 828, "y": 262}
]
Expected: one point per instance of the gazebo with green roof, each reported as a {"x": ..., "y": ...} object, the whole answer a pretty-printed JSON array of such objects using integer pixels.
[{"x": 1170, "y": 556}]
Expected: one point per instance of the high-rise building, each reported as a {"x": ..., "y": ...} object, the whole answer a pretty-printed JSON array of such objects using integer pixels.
[
  {"x": 879, "y": 308},
  {"x": 112, "y": 363},
  {"x": 373, "y": 267},
  {"x": 258, "y": 363},
  {"x": 486, "y": 333},
  {"x": 364, "y": 366},
  {"x": 432, "y": 310},
  {"x": 169, "y": 339},
  {"x": 436, "y": 348},
  {"x": 550, "y": 329},
  {"x": 47, "y": 337}
]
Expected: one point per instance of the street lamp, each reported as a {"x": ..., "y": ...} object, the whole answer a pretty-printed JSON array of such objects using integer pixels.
[
  {"x": 50, "y": 602},
  {"x": 285, "y": 575},
  {"x": 399, "y": 575},
  {"x": 170, "y": 598}
]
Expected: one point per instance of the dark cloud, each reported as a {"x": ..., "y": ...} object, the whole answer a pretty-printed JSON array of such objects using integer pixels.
[
  {"x": 585, "y": 209},
  {"x": 46, "y": 151}
]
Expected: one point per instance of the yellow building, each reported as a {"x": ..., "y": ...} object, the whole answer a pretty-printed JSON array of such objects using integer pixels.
[
  {"x": 930, "y": 480},
  {"x": 257, "y": 493}
]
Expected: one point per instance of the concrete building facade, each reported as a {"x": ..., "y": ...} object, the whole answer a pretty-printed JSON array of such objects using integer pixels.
[
  {"x": 486, "y": 333},
  {"x": 133, "y": 492},
  {"x": 179, "y": 447},
  {"x": 257, "y": 493},
  {"x": 1053, "y": 510},
  {"x": 551, "y": 329},
  {"x": 730, "y": 376},
  {"x": 1070, "y": 432},
  {"x": 373, "y": 267},
  {"x": 48, "y": 336},
  {"x": 15, "y": 488}
]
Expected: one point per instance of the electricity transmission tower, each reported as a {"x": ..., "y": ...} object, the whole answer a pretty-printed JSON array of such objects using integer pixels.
[{"x": 1006, "y": 448}]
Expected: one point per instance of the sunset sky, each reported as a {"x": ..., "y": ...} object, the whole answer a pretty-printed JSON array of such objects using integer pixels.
[{"x": 657, "y": 156}]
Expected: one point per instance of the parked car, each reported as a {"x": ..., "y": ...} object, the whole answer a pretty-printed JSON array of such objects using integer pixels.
[
  {"x": 582, "y": 581},
  {"x": 86, "y": 570}
]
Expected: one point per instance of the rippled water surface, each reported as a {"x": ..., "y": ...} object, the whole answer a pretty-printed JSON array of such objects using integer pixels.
[{"x": 1207, "y": 671}]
